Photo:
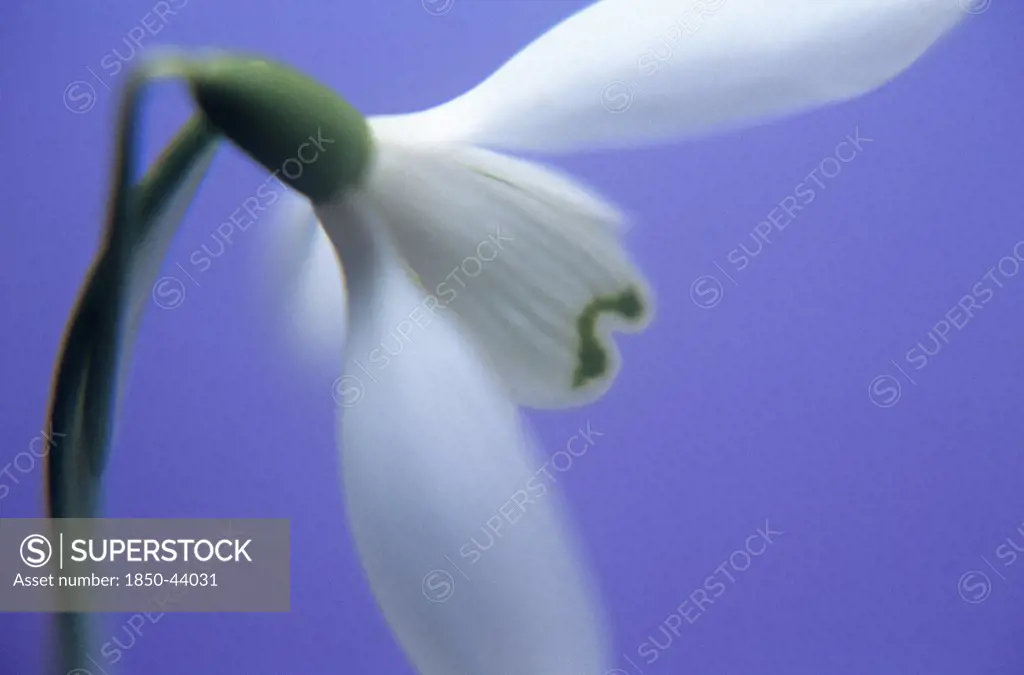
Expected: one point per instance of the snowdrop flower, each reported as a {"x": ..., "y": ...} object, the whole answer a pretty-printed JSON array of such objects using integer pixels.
[
  {"x": 434, "y": 453},
  {"x": 432, "y": 448}
]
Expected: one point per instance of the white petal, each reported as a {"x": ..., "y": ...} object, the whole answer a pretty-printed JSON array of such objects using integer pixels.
[
  {"x": 632, "y": 72},
  {"x": 431, "y": 449},
  {"x": 305, "y": 284},
  {"x": 522, "y": 255}
]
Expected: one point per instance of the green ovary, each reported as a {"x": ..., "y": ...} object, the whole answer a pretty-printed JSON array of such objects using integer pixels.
[{"x": 293, "y": 125}]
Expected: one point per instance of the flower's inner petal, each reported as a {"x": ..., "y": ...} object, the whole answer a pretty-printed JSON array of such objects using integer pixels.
[
  {"x": 625, "y": 73},
  {"x": 530, "y": 262}
]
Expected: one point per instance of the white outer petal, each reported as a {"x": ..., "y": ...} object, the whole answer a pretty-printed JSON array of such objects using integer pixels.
[
  {"x": 431, "y": 450},
  {"x": 596, "y": 80}
]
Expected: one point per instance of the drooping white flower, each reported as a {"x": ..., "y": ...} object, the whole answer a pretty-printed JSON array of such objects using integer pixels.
[
  {"x": 430, "y": 439},
  {"x": 433, "y": 452}
]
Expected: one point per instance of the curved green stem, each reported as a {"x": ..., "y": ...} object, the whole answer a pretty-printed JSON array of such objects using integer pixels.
[{"x": 142, "y": 219}]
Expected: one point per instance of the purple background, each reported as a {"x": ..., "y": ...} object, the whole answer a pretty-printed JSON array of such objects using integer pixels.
[{"x": 756, "y": 408}]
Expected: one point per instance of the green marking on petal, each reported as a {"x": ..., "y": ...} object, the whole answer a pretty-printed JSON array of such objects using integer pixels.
[
  {"x": 592, "y": 360},
  {"x": 497, "y": 178},
  {"x": 296, "y": 127}
]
